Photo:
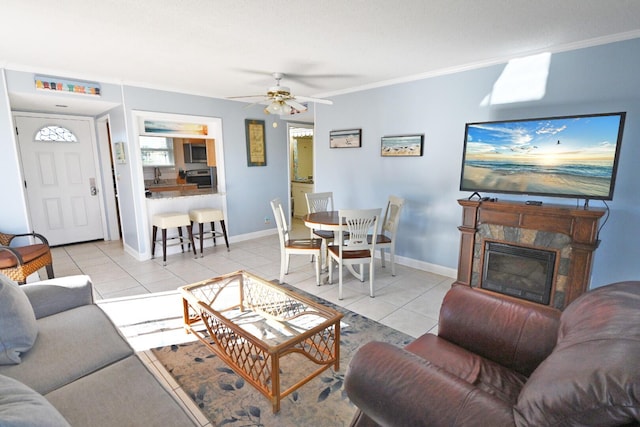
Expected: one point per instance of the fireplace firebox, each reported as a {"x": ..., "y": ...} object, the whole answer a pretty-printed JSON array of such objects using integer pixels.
[{"x": 522, "y": 272}]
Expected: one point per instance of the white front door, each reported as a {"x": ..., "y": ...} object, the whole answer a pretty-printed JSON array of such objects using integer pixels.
[{"x": 60, "y": 177}]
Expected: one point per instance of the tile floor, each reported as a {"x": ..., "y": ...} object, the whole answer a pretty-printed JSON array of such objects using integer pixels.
[{"x": 141, "y": 297}]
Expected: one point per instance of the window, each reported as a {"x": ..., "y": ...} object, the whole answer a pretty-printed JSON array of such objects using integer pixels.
[
  {"x": 55, "y": 134},
  {"x": 156, "y": 151}
]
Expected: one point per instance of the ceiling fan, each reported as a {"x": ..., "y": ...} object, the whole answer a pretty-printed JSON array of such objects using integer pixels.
[{"x": 279, "y": 99}]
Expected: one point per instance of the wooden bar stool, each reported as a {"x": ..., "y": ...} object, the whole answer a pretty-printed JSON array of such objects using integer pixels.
[
  {"x": 170, "y": 220},
  {"x": 202, "y": 216}
]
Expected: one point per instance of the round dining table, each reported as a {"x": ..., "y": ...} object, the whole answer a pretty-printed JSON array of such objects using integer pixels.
[{"x": 329, "y": 221}]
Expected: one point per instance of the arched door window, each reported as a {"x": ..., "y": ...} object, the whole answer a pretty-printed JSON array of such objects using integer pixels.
[{"x": 55, "y": 133}]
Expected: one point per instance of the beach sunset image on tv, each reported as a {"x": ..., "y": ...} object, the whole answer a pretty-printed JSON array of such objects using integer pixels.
[{"x": 564, "y": 156}]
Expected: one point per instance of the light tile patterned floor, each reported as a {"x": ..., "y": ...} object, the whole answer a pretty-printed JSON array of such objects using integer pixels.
[{"x": 141, "y": 297}]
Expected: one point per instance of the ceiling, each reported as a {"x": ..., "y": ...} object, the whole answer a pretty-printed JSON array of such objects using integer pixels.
[{"x": 324, "y": 47}]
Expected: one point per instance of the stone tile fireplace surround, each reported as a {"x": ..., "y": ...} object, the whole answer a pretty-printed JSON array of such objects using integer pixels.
[{"x": 572, "y": 233}]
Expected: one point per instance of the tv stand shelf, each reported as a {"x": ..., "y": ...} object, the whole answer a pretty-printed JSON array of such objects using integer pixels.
[{"x": 581, "y": 225}]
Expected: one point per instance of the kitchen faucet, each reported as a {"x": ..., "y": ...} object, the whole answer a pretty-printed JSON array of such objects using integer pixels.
[{"x": 156, "y": 175}]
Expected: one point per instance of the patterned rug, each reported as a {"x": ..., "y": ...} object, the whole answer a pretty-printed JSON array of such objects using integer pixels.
[{"x": 227, "y": 400}]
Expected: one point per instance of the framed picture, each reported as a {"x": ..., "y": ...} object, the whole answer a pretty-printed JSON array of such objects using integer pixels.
[
  {"x": 256, "y": 144},
  {"x": 348, "y": 138},
  {"x": 402, "y": 146}
]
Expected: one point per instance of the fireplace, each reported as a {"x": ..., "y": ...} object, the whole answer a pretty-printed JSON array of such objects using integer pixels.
[
  {"x": 569, "y": 235},
  {"x": 518, "y": 271}
]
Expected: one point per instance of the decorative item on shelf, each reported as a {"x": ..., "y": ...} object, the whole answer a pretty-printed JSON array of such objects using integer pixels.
[
  {"x": 402, "y": 146},
  {"x": 256, "y": 144},
  {"x": 67, "y": 86},
  {"x": 348, "y": 138}
]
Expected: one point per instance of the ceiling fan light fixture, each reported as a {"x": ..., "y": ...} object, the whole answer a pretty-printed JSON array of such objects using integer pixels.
[{"x": 277, "y": 107}]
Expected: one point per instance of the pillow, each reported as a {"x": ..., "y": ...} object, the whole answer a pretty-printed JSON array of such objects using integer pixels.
[
  {"x": 18, "y": 327},
  {"x": 20, "y": 406}
]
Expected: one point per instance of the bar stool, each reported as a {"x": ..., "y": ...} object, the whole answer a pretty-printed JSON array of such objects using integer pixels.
[
  {"x": 202, "y": 216},
  {"x": 170, "y": 220}
]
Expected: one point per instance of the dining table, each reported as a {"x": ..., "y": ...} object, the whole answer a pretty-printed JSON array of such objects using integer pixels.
[{"x": 329, "y": 220}]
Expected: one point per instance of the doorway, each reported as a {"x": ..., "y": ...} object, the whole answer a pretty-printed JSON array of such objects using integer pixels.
[{"x": 301, "y": 166}]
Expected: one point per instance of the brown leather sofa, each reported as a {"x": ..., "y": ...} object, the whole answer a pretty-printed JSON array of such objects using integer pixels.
[{"x": 500, "y": 361}]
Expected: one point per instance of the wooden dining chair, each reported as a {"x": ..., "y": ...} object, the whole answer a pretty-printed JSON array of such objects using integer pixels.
[
  {"x": 19, "y": 262},
  {"x": 357, "y": 249},
  {"x": 386, "y": 239},
  {"x": 321, "y": 202},
  {"x": 289, "y": 246}
]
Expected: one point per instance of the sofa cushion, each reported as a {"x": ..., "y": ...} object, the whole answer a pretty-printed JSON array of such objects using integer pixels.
[
  {"x": 122, "y": 394},
  {"x": 20, "y": 406},
  {"x": 592, "y": 377},
  {"x": 70, "y": 345},
  {"x": 18, "y": 327},
  {"x": 53, "y": 296}
]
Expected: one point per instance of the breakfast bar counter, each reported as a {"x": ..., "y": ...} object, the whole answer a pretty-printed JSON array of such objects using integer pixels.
[{"x": 183, "y": 201}]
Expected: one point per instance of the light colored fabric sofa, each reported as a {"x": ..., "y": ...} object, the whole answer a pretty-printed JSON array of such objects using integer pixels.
[{"x": 79, "y": 366}]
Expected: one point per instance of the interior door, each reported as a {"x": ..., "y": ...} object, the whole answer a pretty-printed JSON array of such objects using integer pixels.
[{"x": 60, "y": 177}]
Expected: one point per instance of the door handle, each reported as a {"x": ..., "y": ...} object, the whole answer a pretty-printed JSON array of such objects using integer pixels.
[{"x": 93, "y": 190}]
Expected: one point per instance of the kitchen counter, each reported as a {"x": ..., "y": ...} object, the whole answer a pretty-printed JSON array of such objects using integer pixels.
[
  {"x": 186, "y": 192},
  {"x": 171, "y": 187}
]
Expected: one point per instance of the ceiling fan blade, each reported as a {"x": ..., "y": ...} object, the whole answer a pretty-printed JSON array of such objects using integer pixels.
[
  {"x": 255, "y": 103},
  {"x": 246, "y": 96},
  {"x": 316, "y": 100},
  {"x": 313, "y": 80},
  {"x": 295, "y": 105}
]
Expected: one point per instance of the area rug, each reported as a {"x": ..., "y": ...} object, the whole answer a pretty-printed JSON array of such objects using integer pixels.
[{"x": 227, "y": 400}]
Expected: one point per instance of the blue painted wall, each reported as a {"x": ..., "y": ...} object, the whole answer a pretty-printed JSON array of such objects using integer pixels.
[{"x": 591, "y": 80}]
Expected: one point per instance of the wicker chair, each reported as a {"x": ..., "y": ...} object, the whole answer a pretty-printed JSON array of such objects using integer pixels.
[{"x": 19, "y": 262}]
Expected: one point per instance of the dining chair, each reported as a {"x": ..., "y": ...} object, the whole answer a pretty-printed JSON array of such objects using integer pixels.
[
  {"x": 289, "y": 246},
  {"x": 357, "y": 249},
  {"x": 386, "y": 239},
  {"x": 321, "y": 202},
  {"x": 18, "y": 262}
]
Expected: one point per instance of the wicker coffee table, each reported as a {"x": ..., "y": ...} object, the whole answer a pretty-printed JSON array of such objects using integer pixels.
[{"x": 252, "y": 324}]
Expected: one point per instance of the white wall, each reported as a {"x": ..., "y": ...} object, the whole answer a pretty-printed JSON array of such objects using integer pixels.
[{"x": 13, "y": 215}]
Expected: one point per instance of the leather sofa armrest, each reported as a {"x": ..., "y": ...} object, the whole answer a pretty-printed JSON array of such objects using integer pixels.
[
  {"x": 394, "y": 387},
  {"x": 514, "y": 333},
  {"x": 53, "y": 296}
]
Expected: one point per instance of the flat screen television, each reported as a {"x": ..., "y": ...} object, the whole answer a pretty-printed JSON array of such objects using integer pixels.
[{"x": 570, "y": 156}]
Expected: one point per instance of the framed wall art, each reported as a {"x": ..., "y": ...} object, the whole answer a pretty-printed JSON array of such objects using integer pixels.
[
  {"x": 348, "y": 138},
  {"x": 402, "y": 146},
  {"x": 256, "y": 143}
]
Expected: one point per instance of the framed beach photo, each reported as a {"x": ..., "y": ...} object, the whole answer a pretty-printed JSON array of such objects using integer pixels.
[
  {"x": 402, "y": 146},
  {"x": 348, "y": 138}
]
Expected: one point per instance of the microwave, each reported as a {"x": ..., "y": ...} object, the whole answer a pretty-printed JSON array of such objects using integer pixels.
[{"x": 195, "y": 153}]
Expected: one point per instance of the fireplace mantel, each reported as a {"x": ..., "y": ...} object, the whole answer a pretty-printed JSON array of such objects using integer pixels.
[{"x": 581, "y": 225}]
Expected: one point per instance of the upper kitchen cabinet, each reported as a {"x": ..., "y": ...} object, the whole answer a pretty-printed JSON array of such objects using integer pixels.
[
  {"x": 156, "y": 151},
  {"x": 211, "y": 152}
]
